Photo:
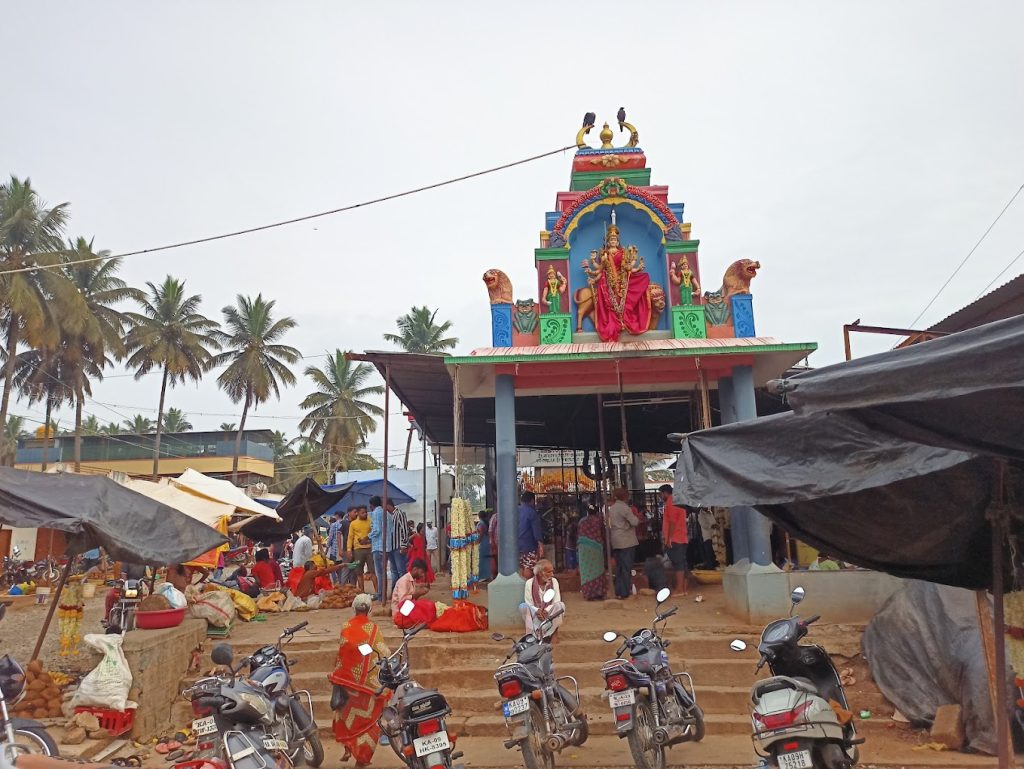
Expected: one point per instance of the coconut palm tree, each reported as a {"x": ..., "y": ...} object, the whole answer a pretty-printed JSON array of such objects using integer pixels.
[
  {"x": 176, "y": 421},
  {"x": 418, "y": 332},
  {"x": 86, "y": 352},
  {"x": 228, "y": 427},
  {"x": 32, "y": 302},
  {"x": 280, "y": 445},
  {"x": 170, "y": 335},
  {"x": 40, "y": 376},
  {"x": 14, "y": 430},
  {"x": 139, "y": 425},
  {"x": 256, "y": 362},
  {"x": 340, "y": 417},
  {"x": 91, "y": 426},
  {"x": 111, "y": 428}
]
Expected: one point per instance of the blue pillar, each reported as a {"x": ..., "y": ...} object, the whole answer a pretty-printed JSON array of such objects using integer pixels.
[
  {"x": 758, "y": 528},
  {"x": 505, "y": 592},
  {"x": 505, "y": 464},
  {"x": 737, "y": 515}
]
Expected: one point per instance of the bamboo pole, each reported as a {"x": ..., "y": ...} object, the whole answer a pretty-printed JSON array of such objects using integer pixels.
[
  {"x": 53, "y": 607},
  {"x": 383, "y": 587}
]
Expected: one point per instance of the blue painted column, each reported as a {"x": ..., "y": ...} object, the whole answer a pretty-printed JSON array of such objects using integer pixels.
[
  {"x": 737, "y": 515},
  {"x": 758, "y": 528},
  {"x": 505, "y": 464}
]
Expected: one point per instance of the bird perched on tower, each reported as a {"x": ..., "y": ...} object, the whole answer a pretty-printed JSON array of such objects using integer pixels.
[
  {"x": 621, "y": 116},
  {"x": 589, "y": 119}
]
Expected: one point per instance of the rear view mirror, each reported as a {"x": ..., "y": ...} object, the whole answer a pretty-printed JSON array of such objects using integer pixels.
[
  {"x": 549, "y": 595},
  {"x": 610, "y": 637},
  {"x": 663, "y": 595},
  {"x": 365, "y": 649},
  {"x": 222, "y": 654},
  {"x": 738, "y": 645},
  {"x": 407, "y": 608},
  {"x": 797, "y": 595}
]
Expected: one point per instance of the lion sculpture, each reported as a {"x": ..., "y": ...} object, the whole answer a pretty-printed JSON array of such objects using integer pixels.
[
  {"x": 738, "y": 276},
  {"x": 499, "y": 287},
  {"x": 585, "y": 306}
]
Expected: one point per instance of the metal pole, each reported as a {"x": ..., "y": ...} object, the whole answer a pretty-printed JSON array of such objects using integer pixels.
[
  {"x": 423, "y": 438},
  {"x": 53, "y": 607},
  {"x": 384, "y": 518}
]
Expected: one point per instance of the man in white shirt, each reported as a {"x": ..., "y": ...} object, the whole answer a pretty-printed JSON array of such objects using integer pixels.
[
  {"x": 431, "y": 535},
  {"x": 302, "y": 551}
]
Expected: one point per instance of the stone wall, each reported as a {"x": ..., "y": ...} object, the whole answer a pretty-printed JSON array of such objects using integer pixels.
[{"x": 159, "y": 660}]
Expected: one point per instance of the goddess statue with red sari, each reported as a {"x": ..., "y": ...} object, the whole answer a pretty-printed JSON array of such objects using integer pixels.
[{"x": 620, "y": 286}]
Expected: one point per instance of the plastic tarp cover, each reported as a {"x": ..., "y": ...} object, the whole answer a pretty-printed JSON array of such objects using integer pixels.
[
  {"x": 95, "y": 511},
  {"x": 306, "y": 499},
  {"x": 226, "y": 492},
  {"x": 925, "y": 650}
]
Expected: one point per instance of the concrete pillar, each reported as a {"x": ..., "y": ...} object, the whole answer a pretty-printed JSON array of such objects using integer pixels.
[
  {"x": 505, "y": 592},
  {"x": 638, "y": 475},
  {"x": 490, "y": 481},
  {"x": 737, "y": 515},
  {"x": 755, "y": 589},
  {"x": 758, "y": 528}
]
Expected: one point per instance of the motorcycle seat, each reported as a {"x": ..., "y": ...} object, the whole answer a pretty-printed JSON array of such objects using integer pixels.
[{"x": 777, "y": 683}]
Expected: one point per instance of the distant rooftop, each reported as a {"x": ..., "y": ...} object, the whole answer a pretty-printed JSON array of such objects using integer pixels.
[{"x": 998, "y": 304}]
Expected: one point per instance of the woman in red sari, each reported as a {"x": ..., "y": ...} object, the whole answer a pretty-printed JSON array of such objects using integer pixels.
[
  {"x": 355, "y": 722},
  {"x": 418, "y": 552}
]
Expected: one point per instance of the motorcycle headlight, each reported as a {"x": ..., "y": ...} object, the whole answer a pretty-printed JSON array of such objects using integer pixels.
[
  {"x": 131, "y": 593},
  {"x": 257, "y": 703}
]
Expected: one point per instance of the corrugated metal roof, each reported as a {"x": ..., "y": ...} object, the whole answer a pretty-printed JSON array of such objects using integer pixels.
[{"x": 998, "y": 304}]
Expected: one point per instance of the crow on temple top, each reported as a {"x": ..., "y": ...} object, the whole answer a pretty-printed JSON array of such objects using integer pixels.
[
  {"x": 622, "y": 115},
  {"x": 589, "y": 119}
]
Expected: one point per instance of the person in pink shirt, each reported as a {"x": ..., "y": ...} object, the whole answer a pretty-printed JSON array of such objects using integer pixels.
[{"x": 412, "y": 587}]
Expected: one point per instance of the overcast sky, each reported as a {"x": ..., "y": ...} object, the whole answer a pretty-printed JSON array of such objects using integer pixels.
[{"x": 858, "y": 150}]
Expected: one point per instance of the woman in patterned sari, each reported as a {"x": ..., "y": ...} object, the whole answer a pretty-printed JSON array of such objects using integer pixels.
[
  {"x": 355, "y": 721},
  {"x": 590, "y": 545}
]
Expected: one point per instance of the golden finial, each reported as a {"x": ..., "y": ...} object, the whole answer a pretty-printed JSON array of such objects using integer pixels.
[{"x": 606, "y": 137}]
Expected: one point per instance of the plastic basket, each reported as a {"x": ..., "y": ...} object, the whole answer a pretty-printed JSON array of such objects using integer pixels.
[{"x": 113, "y": 721}]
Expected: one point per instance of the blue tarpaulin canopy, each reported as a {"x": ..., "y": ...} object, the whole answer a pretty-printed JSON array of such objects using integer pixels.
[{"x": 361, "y": 492}]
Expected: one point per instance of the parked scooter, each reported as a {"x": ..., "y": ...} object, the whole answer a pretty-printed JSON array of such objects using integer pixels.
[
  {"x": 19, "y": 735},
  {"x": 235, "y": 719},
  {"x": 294, "y": 723},
  {"x": 414, "y": 719},
  {"x": 542, "y": 715},
  {"x": 122, "y": 613},
  {"x": 800, "y": 715},
  {"x": 653, "y": 707}
]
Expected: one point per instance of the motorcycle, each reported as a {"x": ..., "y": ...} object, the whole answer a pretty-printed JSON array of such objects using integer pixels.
[
  {"x": 652, "y": 706},
  {"x": 122, "y": 613},
  {"x": 800, "y": 716},
  {"x": 414, "y": 719},
  {"x": 542, "y": 715},
  {"x": 235, "y": 719},
  {"x": 19, "y": 735},
  {"x": 294, "y": 724}
]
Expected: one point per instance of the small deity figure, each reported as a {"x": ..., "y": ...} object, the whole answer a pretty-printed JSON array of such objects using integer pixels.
[
  {"x": 619, "y": 286},
  {"x": 681, "y": 275},
  {"x": 554, "y": 287}
]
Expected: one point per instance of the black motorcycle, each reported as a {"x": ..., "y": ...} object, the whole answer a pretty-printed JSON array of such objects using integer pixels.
[
  {"x": 235, "y": 719},
  {"x": 541, "y": 714},
  {"x": 20, "y": 735},
  {"x": 414, "y": 719},
  {"x": 653, "y": 707}
]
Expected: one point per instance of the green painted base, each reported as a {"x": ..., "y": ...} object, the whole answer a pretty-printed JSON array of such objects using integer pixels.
[
  {"x": 688, "y": 322},
  {"x": 504, "y": 594},
  {"x": 556, "y": 328}
]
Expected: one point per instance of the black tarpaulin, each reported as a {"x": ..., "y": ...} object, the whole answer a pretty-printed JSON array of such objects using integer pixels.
[
  {"x": 964, "y": 391},
  {"x": 871, "y": 499},
  {"x": 94, "y": 511},
  {"x": 306, "y": 499}
]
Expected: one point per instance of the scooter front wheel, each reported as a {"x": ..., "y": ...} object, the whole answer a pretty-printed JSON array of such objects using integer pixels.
[
  {"x": 535, "y": 755},
  {"x": 313, "y": 751},
  {"x": 646, "y": 753}
]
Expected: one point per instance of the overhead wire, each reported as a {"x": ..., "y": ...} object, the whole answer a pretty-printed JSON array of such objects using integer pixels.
[
  {"x": 997, "y": 277},
  {"x": 297, "y": 219},
  {"x": 969, "y": 254}
]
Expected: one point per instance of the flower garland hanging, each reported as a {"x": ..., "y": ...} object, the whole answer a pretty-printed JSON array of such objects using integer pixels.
[
  {"x": 462, "y": 543},
  {"x": 70, "y": 611}
]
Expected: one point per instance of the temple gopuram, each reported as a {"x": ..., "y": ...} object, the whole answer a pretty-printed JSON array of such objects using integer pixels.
[{"x": 624, "y": 337}]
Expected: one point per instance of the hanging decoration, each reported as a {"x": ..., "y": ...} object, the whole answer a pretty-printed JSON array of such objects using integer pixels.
[
  {"x": 464, "y": 541},
  {"x": 69, "y": 613}
]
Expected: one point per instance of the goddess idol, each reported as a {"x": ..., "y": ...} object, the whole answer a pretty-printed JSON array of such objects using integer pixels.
[{"x": 619, "y": 285}]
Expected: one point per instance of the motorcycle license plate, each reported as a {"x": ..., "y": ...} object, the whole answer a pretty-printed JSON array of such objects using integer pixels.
[
  {"x": 622, "y": 699},
  {"x": 799, "y": 760},
  {"x": 515, "y": 707},
  {"x": 204, "y": 726},
  {"x": 432, "y": 743},
  {"x": 273, "y": 744}
]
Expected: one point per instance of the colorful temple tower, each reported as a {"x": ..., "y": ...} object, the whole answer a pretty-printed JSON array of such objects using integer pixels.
[
  {"x": 622, "y": 308},
  {"x": 617, "y": 262}
]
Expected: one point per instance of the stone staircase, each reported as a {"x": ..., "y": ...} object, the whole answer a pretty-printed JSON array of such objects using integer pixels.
[{"x": 462, "y": 668}]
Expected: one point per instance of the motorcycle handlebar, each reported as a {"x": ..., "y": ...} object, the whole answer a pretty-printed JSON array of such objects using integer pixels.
[
  {"x": 812, "y": 620},
  {"x": 760, "y": 664},
  {"x": 294, "y": 630},
  {"x": 667, "y": 614}
]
